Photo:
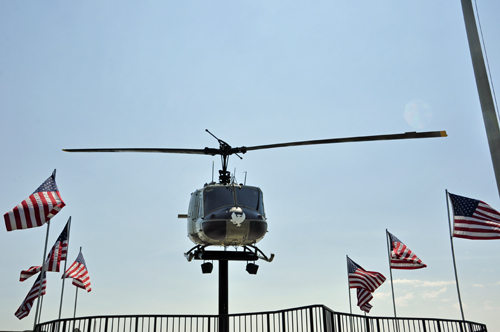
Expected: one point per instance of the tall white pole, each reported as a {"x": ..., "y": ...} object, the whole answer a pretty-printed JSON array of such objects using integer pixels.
[
  {"x": 483, "y": 87},
  {"x": 41, "y": 276},
  {"x": 76, "y": 298},
  {"x": 453, "y": 254},
  {"x": 388, "y": 240},
  {"x": 348, "y": 284},
  {"x": 65, "y": 262},
  {"x": 349, "y": 290},
  {"x": 76, "y": 295}
]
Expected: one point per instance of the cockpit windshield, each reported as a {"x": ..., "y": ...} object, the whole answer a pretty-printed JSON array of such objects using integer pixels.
[
  {"x": 217, "y": 197},
  {"x": 249, "y": 197}
]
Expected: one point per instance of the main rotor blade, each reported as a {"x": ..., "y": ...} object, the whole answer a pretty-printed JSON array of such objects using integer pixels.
[
  {"x": 154, "y": 150},
  {"x": 351, "y": 139},
  {"x": 244, "y": 149}
]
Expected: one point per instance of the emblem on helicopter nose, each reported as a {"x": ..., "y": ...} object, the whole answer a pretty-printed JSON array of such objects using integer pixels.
[{"x": 238, "y": 216}]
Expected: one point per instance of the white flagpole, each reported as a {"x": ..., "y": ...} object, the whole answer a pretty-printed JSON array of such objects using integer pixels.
[
  {"x": 76, "y": 295},
  {"x": 388, "y": 240},
  {"x": 453, "y": 254},
  {"x": 348, "y": 284},
  {"x": 41, "y": 275},
  {"x": 65, "y": 262},
  {"x": 349, "y": 290},
  {"x": 37, "y": 314}
]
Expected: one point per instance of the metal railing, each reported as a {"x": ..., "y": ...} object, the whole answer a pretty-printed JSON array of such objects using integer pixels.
[{"x": 315, "y": 318}]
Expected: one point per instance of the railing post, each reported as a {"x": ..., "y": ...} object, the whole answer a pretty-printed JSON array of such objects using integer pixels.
[
  {"x": 311, "y": 319},
  {"x": 367, "y": 323},
  {"x": 89, "y": 327},
  {"x": 339, "y": 323},
  {"x": 268, "y": 323},
  {"x": 325, "y": 324},
  {"x": 283, "y": 321},
  {"x": 423, "y": 324}
]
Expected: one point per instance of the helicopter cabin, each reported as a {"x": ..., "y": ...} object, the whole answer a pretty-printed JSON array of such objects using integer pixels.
[{"x": 226, "y": 215}]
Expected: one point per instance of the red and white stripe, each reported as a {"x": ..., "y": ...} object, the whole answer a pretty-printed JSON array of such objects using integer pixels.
[
  {"x": 34, "y": 211},
  {"x": 78, "y": 271},
  {"x": 368, "y": 280},
  {"x": 403, "y": 258},
  {"x": 483, "y": 225},
  {"x": 25, "y": 307},
  {"x": 364, "y": 297}
]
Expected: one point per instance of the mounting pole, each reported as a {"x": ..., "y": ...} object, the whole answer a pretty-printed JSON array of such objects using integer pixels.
[
  {"x": 223, "y": 296},
  {"x": 224, "y": 257},
  {"x": 483, "y": 88}
]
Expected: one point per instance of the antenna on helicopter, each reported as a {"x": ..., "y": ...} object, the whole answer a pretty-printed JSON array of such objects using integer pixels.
[{"x": 245, "y": 182}]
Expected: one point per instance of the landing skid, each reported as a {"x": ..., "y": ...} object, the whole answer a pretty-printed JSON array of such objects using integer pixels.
[{"x": 249, "y": 253}]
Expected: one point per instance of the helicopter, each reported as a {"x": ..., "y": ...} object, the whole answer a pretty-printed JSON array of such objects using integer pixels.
[{"x": 231, "y": 214}]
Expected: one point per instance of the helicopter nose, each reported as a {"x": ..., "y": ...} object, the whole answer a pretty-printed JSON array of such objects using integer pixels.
[
  {"x": 235, "y": 226},
  {"x": 237, "y": 216}
]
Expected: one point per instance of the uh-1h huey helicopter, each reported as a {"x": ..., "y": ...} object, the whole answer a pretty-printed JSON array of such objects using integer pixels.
[{"x": 230, "y": 214}]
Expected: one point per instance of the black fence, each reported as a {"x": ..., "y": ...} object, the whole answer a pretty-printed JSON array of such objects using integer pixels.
[{"x": 315, "y": 318}]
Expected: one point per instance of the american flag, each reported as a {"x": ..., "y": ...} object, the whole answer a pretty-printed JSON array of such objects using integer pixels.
[
  {"x": 402, "y": 257},
  {"x": 25, "y": 307},
  {"x": 37, "y": 209},
  {"x": 56, "y": 255},
  {"x": 364, "y": 297},
  {"x": 474, "y": 219},
  {"x": 78, "y": 271},
  {"x": 360, "y": 278}
]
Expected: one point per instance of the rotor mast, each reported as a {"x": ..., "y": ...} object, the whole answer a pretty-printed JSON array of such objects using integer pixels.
[{"x": 225, "y": 150}]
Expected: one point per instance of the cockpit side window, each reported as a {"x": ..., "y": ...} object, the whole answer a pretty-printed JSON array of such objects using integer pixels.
[
  {"x": 250, "y": 197},
  {"x": 215, "y": 198},
  {"x": 193, "y": 206}
]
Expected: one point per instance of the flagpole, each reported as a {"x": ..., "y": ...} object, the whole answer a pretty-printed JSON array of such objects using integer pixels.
[
  {"x": 40, "y": 311},
  {"x": 387, "y": 239},
  {"x": 76, "y": 295},
  {"x": 65, "y": 262},
  {"x": 42, "y": 272},
  {"x": 348, "y": 284},
  {"x": 453, "y": 254},
  {"x": 349, "y": 290}
]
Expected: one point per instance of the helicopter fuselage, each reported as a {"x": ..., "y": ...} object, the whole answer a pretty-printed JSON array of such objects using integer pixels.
[{"x": 226, "y": 215}]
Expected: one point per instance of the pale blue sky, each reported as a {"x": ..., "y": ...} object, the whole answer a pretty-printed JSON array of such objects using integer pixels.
[{"x": 158, "y": 73}]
